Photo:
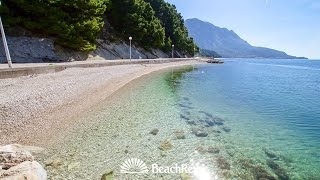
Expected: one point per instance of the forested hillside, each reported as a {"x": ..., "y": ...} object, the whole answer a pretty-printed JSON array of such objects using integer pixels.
[{"x": 77, "y": 24}]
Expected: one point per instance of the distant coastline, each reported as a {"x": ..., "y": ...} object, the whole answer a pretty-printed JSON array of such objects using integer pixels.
[{"x": 226, "y": 43}]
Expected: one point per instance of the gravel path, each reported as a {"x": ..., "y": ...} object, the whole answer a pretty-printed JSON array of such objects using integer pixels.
[{"x": 34, "y": 107}]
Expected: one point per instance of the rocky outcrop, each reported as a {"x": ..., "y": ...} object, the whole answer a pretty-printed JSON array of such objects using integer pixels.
[
  {"x": 26, "y": 170},
  {"x": 16, "y": 162},
  {"x": 28, "y": 49},
  {"x": 25, "y": 49},
  {"x": 120, "y": 50}
]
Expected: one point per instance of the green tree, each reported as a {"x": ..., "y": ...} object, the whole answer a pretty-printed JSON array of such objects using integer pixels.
[
  {"x": 75, "y": 23},
  {"x": 136, "y": 18},
  {"x": 173, "y": 23}
]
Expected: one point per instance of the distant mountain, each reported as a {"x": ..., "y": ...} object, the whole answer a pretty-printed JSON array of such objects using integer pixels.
[{"x": 227, "y": 43}]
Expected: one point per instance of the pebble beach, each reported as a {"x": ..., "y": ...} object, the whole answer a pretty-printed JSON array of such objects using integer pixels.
[{"x": 37, "y": 106}]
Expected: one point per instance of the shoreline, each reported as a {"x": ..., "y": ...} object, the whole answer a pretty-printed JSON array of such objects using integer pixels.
[
  {"x": 26, "y": 69},
  {"x": 49, "y": 102}
]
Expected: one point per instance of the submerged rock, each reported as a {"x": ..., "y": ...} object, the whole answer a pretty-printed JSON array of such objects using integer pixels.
[
  {"x": 185, "y": 106},
  {"x": 218, "y": 121},
  {"x": 222, "y": 163},
  {"x": 201, "y": 149},
  {"x": 199, "y": 132},
  {"x": 206, "y": 113},
  {"x": 154, "y": 132},
  {"x": 258, "y": 171},
  {"x": 163, "y": 154},
  {"x": 54, "y": 163},
  {"x": 165, "y": 145},
  {"x": 213, "y": 150},
  {"x": 228, "y": 175},
  {"x": 180, "y": 134},
  {"x": 108, "y": 175},
  {"x": 186, "y": 98},
  {"x": 216, "y": 131},
  {"x": 209, "y": 123},
  {"x": 191, "y": 122},
  {"x": 226, "y": 129},
  {"x": 210, "y": 120},
  {"x": 270, "y": 154},
  {"x": 74, "y": 165},
  {"x": 279, "y": 171},
  {"x": 182, "y": 116},
  {"x": 287, "y": 160},
  {"x": 185, "y": 176},
  {"x": 186, "y": 112},
  {"x": 261, "y": 174}
]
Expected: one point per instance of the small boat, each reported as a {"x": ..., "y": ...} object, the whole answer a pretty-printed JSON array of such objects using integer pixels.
[{"x": 214, "y": 61}]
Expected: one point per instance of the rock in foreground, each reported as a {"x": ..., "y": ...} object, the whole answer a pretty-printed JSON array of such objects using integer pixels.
[
  {"x": 26, "y": 170},
  {"x": 18, "y": 163}
]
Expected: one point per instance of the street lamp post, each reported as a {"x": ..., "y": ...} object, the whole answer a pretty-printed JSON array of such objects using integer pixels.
[
  {"x": 130, "y": 38},
  {"x": 172, "y": 51},
  {"x": 194, "y": 55},
  {"x": 194, "y": 52},
  {"x": 5, "y": 44}
]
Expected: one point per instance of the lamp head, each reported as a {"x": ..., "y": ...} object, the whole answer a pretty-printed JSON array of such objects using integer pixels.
[
  {"x": 130, "y": 38},
  {"x": 172, "y": 45}
]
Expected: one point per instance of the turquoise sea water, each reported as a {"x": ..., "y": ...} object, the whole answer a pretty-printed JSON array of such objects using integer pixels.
[
  {"x": 272, "y": 108},
  {"x": 262, "y": 119}
]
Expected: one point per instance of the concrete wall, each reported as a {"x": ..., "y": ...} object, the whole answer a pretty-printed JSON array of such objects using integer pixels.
[{"x": 56, "y": 67}]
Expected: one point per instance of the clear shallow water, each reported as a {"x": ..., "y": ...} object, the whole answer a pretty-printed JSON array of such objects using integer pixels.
[
  {"x": 261, "y": 115},
  {"x": 119, "y": 129}
]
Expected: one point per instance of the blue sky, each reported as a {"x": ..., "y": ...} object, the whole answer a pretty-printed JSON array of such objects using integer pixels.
[{"x": 292, "y": 26}]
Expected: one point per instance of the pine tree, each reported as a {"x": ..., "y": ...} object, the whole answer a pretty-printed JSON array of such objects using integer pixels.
[
  {"x": 75, "y": 23},
  {"x": 173, "y": 23},
  {"x": 136, "y": 18}
]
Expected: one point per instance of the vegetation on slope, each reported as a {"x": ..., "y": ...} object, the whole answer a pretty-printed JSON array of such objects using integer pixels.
[
  {"x": 209, "y": 53},
  {"x": 77, "y": 23},
  {"x": 173, "y": 23},
  {"x": 136, "y": 18}
]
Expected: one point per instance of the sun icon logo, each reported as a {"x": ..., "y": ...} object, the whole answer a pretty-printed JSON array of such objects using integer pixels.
[{"x": 134, "y": 166}]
